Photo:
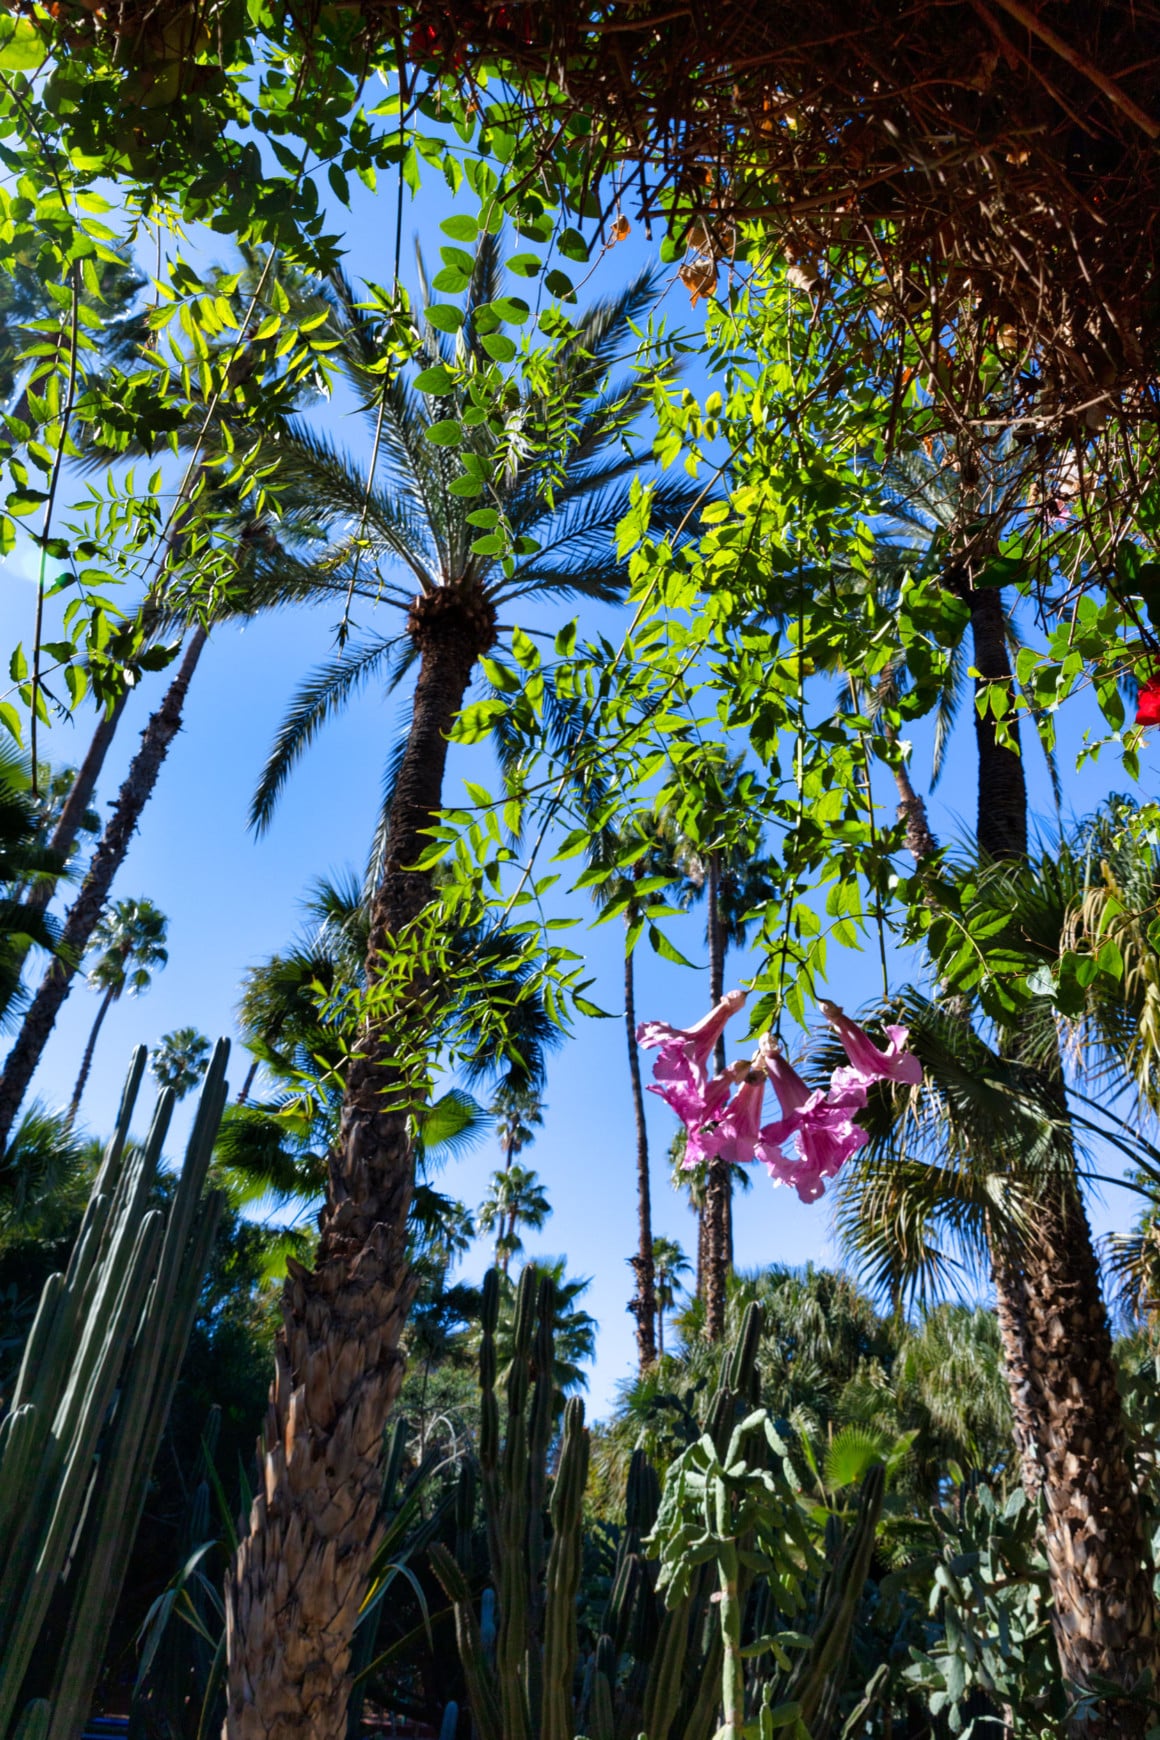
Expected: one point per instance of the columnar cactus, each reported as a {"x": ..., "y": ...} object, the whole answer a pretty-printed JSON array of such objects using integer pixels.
[
  {"x": 733, "y": 1547},
  {"x": 90, "y": 1404},
  {"x": 649, "y": 1667}
]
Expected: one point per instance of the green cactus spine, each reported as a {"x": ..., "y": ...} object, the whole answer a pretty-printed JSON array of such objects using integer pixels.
[
  {"x": 563, "y": 1579},
  {"x": 97, "y": 1375},
  {"x": 808, "y": 1684}
]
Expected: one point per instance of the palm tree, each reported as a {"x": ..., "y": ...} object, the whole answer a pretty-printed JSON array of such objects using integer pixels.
[
  {"x": 515, "y": 1199},
  {"x": 131, "y": 940},
  {"x": 986, "y": 1169},
  {"x": 1024, "y": 1188},
  {"x": 552, "y": 474},
  {"x": 669, "y": 1264},
  {"x": 647, "y": 846},
  {"x": 518, "y": 1114},
  {"x": 26, "y": 863},
  {"x": 266, "y": 573},
  {"x": 179, "y": 1060},
  {"x": 722, "y": 865}
]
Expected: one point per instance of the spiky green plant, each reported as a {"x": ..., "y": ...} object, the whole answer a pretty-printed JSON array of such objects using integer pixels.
[{"x": 113, "y": 1327}]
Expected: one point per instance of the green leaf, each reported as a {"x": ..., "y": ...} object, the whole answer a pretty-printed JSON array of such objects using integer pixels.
[
  {"x": 559, "y": 284},
  {"x": 460, "y": 227},
  {"x": 443, "y": 317},
  {"x": 1002, "y": 571},
  {"x": 10, "y": 719},
  {"x": 513, "y": 309},
  {"x": 499, "y": 347},
  {"x": 491, "y": 544},
  {"x": 501, "y": 677},
  {"x": 339, "y": 183},
  {"x": 451, "y": 281},
  {"x": 485, "y": 518},
  {"x": 21, "y": 48},
  {"x": 665, "y": 949},
  {"x": 477, "y": 720},
  {"x": 458, "y": 260},
  {"x": 525, "y": 651},
  {"x": 467, "y": 487},
  {"x": 445, "y": 434},
  {"x": 566, "y": 639},
  {"x": 437, "y": 380},
  {"x": 525, "y": 265},
  {"x": 1109, "y": 959},
  {"x": 572, "y": 245}
]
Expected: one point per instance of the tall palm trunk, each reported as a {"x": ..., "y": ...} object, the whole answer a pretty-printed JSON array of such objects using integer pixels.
[
  {"x": 660, "y": 1330},
  {"x": 247, "y": 1086},
  {"x": 1069, "y": 1420},
  {"x": 719, "y": 1184},
  {"x": 1001, "y": 823},
  {"x": 644, "y": 1306},
  {"x": 86, "y": 909},
  {"x": 78, "y": 802},
  {"x": 294, "y": 1590},
  {"x": 107, "y": 1002}
]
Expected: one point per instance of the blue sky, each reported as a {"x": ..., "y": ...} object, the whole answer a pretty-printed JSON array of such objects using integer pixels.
[{"x": 232, "y": 899}]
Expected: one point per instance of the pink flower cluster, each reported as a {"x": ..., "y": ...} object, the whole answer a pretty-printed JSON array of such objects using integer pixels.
[{"x": 724, "y": 1124}]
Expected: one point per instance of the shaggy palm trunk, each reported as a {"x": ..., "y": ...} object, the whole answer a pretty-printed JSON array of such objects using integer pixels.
[
  {"x": 1069, "y": 1420},
  {"x": 86, "y": 909},
  {"x": 912, "y": 813},
  {"x": 87, "y": 1060},
  {"x": 644, "y": 1305},
  {"x": 294, "y": 1590},
  {"x": 719, "y": 1184}
]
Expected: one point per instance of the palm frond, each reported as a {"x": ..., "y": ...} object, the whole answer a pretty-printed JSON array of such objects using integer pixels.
[
  {"x": 327, "y": 688},
  {"x": 948, "y": 1167}
]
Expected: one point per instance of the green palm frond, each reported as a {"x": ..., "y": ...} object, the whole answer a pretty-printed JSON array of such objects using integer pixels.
[
  {"x": 578, "y": 556},
  {"x": 450, "y": 1125},
  {"x": 258, "y": 1159},
  {"x": 949, "y": 1166},
  {"x": 45, "y": 1177},
  {"x": 326, "y": 689},
  {"x": 313, "y": 467},
  {"x": 851, "y": 1452}
]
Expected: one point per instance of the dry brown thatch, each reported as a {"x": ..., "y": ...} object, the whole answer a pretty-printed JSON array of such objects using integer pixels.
[{"x": 991, "y": 157}]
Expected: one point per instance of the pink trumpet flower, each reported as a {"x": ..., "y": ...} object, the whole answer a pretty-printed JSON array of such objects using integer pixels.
[
  {"x": 867, "y": 1063},
  {"x": 695, "y": 1105},
  {"x": 685, "y": 1051},
  {"x": 738, "y": 1131},
  {"x": 821, "y": 1124}
]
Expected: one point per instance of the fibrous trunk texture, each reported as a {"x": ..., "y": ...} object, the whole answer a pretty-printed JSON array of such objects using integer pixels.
[
  {"x": 920, "y": 841},
  {"x": 1069, "y": 1422},
  {"x": 1103, "y": 1611},
  {"x": 294, "y": 1591},
  {"x": 644, "y": 1304},
  {"x": 86, "y": 909}
]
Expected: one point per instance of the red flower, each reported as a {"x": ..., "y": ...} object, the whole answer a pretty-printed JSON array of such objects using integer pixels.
[
  {"x": 1148, "y": 705},
  {"x": 424, "y": 42}
]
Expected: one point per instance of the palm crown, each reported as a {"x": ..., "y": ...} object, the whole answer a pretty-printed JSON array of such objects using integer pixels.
[{"x": 421, "y": 516}]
